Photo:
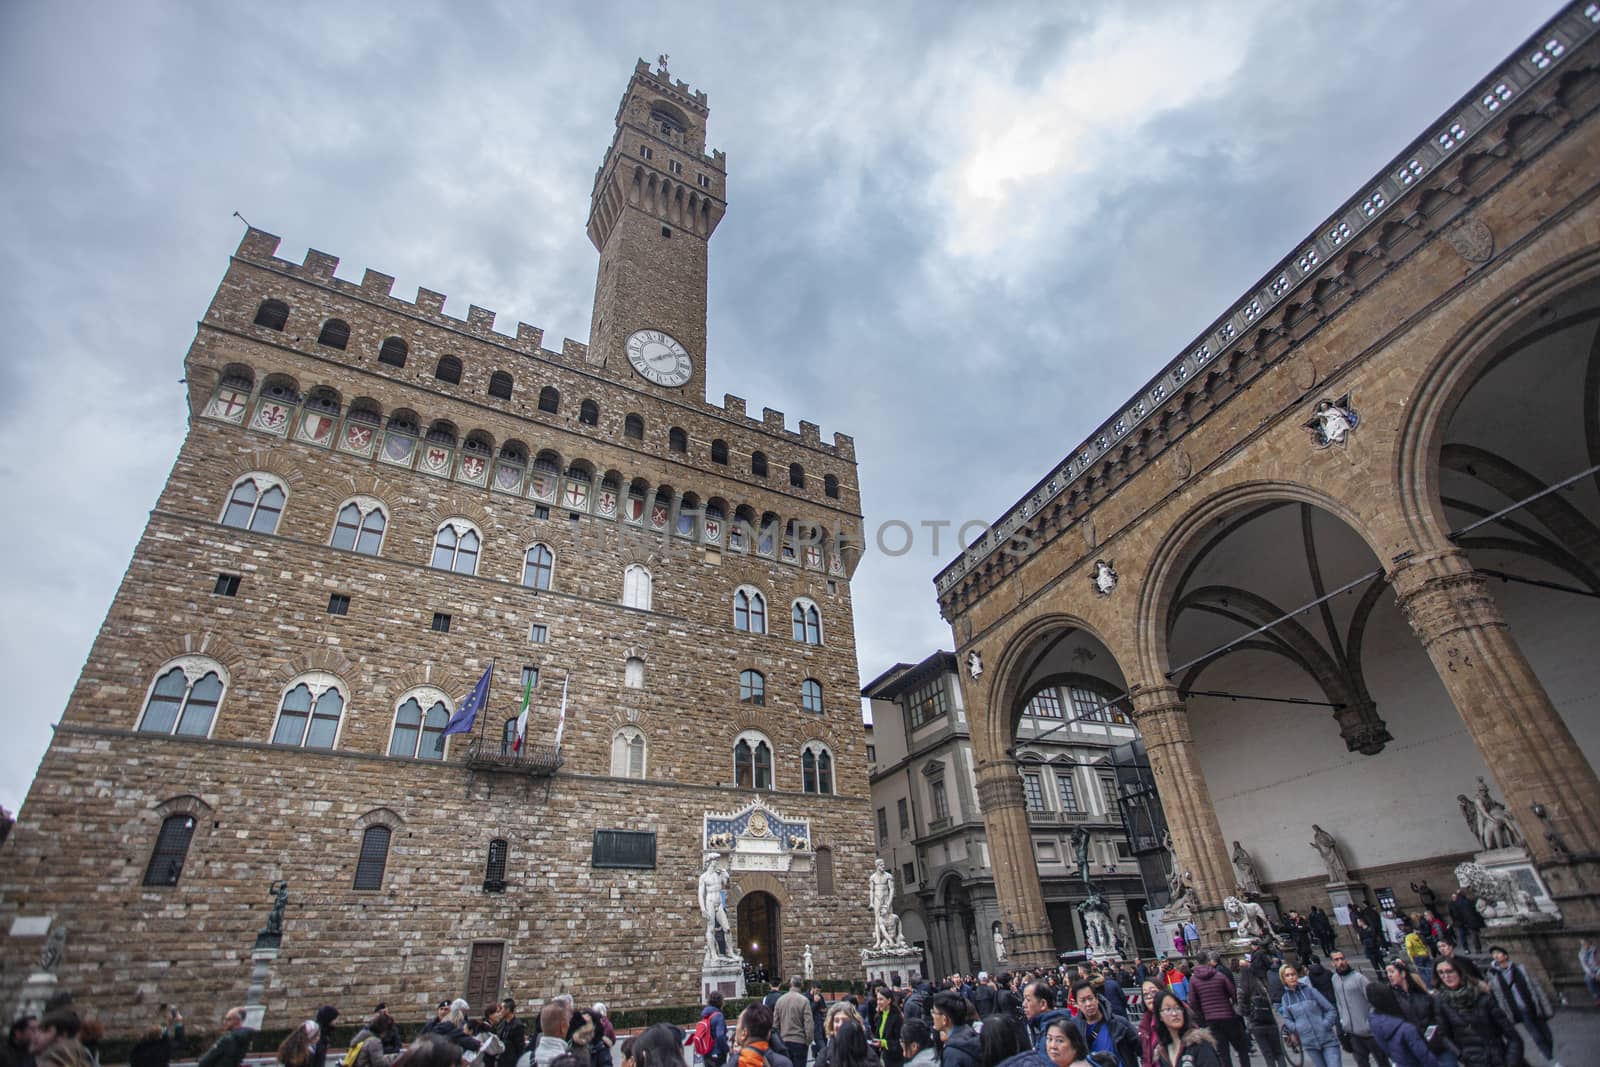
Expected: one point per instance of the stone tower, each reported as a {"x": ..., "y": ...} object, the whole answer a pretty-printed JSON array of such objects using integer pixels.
[{"x": 657, "y": 199}]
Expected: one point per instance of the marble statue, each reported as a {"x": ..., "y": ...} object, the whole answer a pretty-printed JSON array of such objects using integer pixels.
[
  {"x": 1332, "y": 422},
  {"x": 1181, "y": 903},
  {"x": 1245, "y": 868},
  {"x": 1489, "y": 820},
  {"x": 808, "y": 963},
  {"x": 1500, "y": 898},
  {"x": 1328, "y": 848},
  {"x": 1104, "y": 577},
  {"x": 999, "y": 944},
  {"x": 886, "y": 936},
  {"x": 1251, "y": 919},
  {"x": 974, "y": 665},
  {"x": 713, "y": 894}
]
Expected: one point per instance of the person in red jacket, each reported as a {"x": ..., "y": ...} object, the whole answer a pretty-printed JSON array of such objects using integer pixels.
[{"x": 1211, "y": 997}]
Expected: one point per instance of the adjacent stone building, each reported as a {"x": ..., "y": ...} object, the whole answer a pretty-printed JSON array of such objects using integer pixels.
[
  {"x": 376, "y": 503},
  {"x": 930, "y": 830},
  {"x": 1342, "y": 551}
]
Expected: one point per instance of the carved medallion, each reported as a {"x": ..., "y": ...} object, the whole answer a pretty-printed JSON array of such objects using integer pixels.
[
  {"x": 1104, "y": 577},
  {"x": 1182, "y": 465},
  {"x": 1332, "y": 422},
  {"x": 1472, "y": 240}
]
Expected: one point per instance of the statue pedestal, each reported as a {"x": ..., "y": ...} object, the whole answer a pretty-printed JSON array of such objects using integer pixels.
[
  {"x": 255, "y": 998},
  {"x": 1348, "y": 895},
  {"x": 1514, "y": 863},
  {"x": 898, "y": 967},
  {"x": 36, "y": 991},
  {"x": 724, "y": 974}
]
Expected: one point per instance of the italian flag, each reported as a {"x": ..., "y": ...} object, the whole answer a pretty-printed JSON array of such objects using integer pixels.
[{"x": 522, "y": 719}]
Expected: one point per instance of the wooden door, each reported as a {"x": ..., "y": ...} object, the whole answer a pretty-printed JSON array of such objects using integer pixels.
[{"x": 483, "y": 974}]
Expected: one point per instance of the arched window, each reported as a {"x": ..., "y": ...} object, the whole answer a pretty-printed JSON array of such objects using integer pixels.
[
  {"x": 172, "y": 848},
  {"x": 393, "y": 352},
  {"x": 494, "y": 870},
  {"x": 811, "y": 696},
  {"x": 752, "y": 687},
  {"x": 419, "y": 734},
  {"x": 719, "y": 451},
  {"x": 628, "y": 752},
  {"x": 752, "y": 761},
  {"x": 636, "y": 587},
  {"x": 500, "y": 386},
  {"x": 335, "y": 334},
  {"x": 183, "y": 701},
  {"x": 360, "y": 526},
  {"x": 816, "y": 768},
  {"x": 758, "y": 464},
  {"x": 448, "y": 369},
  {"x": 589, "y": 413},
  {"x": 633, "y": 673},
  {"x": 374, "y": 857},
  {"x": 255, "y": 503},
  {"x": 807, "y": 622},
  {"x": 273, "y": 314},
  {"x": 797, "y": 476},
  {"x": 549, "y": 400},
  {"x": 633, "y": 426},
  {"x": 455, "y": 547},
  {"x": 749, "y": 610},
  {"x": 309, "y": 713},
  {"x": 537, "y": 567},
  {"x": 677, "y": 439},
  {"x": 830, "y": 486}
]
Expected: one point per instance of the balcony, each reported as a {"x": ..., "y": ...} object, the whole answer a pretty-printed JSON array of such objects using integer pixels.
[
  {"x": 1063, "y": 818},
  {"x": 534, "y": 761}
]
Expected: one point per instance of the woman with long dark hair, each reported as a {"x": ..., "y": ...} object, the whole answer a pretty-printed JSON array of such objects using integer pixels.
[
  {"x": 1180, "y": 1041},
  {"x": 298, "y": 1048},
  {"x": 1471, "y": 1020},
  {"x": 1394, "y": 1033},
  {"x": 886, "y": 1023},
  {"x": 1004, "y": 1040}
]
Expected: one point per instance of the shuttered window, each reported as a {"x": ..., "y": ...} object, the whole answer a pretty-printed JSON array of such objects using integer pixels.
[
  {"x": 374, "y": 856},
  {"x": 172, "y": 848}
]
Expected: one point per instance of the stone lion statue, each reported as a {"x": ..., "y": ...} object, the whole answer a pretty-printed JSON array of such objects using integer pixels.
[
  {"x": 1499, "y": 895},
  {"x": 1251, "y": 917}
]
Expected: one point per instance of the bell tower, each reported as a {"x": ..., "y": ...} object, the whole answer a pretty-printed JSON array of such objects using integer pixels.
[{"x": 657, "y": 199}]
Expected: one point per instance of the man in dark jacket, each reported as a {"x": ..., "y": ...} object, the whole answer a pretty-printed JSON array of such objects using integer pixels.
[
  {"x": 1006, "y": 1000},
  {"x": 1211, "y": 995},
  {"x": 513, "y": 1033},
  {"x": 17, "y": 1052},
  {"x": 1039, "y": 1011},
  {"x": 961, "y": 1045},
  {"x": 1103, "y": 1032},
  {"x": 1298, "y": 933},
  {"x": 1467, "y": 921},
  {"x": 1116, "y": 998},
  {"x": 325, "y": 1019},
  {"x": 983, "y": 996},
  {"x": 1321, "y": 929},
  {"x": 230, "y": 1048}
]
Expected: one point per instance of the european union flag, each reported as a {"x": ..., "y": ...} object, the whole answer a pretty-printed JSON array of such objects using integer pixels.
[{"x": 461, "y": 722}]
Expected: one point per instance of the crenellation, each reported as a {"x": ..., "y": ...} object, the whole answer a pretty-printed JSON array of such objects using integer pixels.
[
  {"x": 480, "y": 319},
  {"x": 575, "y": 352},
  {"x": 258, "y": 245},
  {"x": 844, "y": 446},
  {"x": 772, "y": 420},
  {"x": 320, "y": 264},
  {"x": 378, "y": 283},
  {"x": 528, "y": 337},
  {"x": 810, "y": 433},
  {"x": 430, "y": 303},
  {"x": 733, "y": 405}
]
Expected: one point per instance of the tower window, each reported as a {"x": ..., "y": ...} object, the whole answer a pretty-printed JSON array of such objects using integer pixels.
[
  {"x": 830, "y": 487},
  {"x": 500, "y": 385},
  {"x": 704, "y": 180},
  {"x": 373, "y": 858},
  {"x": 393, "y": 353},
  {"x": 667, "y": 122},
  {"x": 272, "y": 314},
  {"x": 675, "y": 166},
  {"x": 550, "y": 400},
  {"x": 666, "y": 231},
  {"x": 797, "y": 476},
  {"x": 633, "y": 426},
  {"x": 719, "y": 452},
  {"x": 335, "y": 334},
  {"x": 645, "y": 152},
  {"x": 338, "y": 604},
  {"x": 227, "y": 585},
  {"x": 441, "y": 623},
  {"x": 172, "y": 848},
  {"x": 589, "y": 413},
  {"x": 494, "y": 872},
  {"x": 448, "y": 370},
  {"x": 758, "y": 464},
  {"x": 677, "y": 440}
]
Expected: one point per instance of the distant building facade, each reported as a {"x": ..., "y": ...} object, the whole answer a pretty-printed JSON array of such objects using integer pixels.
[{"x": 929, "y": 824}]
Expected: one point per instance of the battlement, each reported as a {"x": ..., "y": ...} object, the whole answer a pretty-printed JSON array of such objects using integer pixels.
[
  {"x": 676, "y": 89},
  {"x": 260, "y": 249}
]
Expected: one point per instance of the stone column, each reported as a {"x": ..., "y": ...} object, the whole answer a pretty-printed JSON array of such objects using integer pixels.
[
  {"x": 1016, "y": 872},
  {"x": 1522, "y": 738},
  {"x": 1163, "y": 721}
]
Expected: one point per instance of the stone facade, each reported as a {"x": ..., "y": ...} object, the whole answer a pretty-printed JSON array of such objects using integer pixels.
[
  {"x": 1478, "y": 241},
  {"x": 277, "y": 401}
]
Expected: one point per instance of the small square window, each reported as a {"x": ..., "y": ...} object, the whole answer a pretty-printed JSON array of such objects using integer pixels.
[
  {"x": 530, "y": 678},
  {"x": 338, "y": 604},
  {"x": 227, "y": 585},
  {"x": 675, "y": 166},
  {"x": 645, "y": 153},
  {"x": 538, "y": 633},
  {"x": 441, "y": 623},
  {"x": 705, "y": 182},
  {"x": 573, "y": 516},
  {"x": 540, "y": 511},
  {"x": 666, "y": 231},
  {"x": 833, "y": 588}
]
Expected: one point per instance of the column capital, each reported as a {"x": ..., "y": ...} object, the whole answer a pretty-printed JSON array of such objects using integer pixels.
[
  {"x": 1160, "y": 714},
  {"x": 1440, "y": 593},
  {"x": 999, "y": 786}
]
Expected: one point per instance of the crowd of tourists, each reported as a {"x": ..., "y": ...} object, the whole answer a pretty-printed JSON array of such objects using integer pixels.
[{"x": 1469, "y": 1011}]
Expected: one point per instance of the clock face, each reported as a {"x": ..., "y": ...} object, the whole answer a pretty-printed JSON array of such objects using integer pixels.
[{"x": 658, "y": 357}]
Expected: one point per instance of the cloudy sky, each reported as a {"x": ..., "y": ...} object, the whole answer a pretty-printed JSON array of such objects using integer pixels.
[{"x": 962, "y": 233}]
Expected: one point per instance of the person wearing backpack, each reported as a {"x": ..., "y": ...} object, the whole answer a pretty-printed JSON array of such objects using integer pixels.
[
  {"x": 710, "y": 1037},
  {"x": 366, "y": 1048}
]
